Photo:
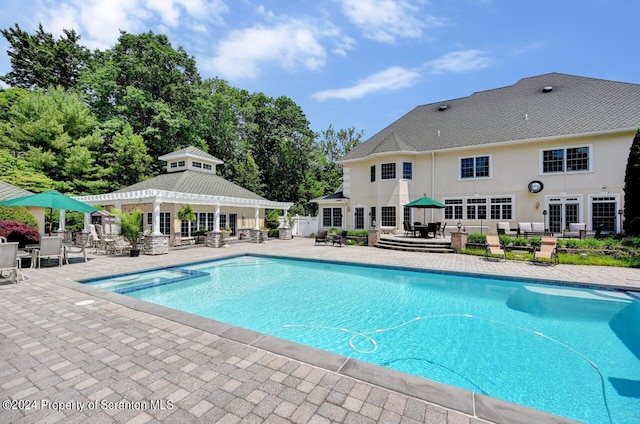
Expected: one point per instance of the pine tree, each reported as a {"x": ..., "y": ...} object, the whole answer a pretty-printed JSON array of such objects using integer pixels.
[{"x": 632, "y": 189}]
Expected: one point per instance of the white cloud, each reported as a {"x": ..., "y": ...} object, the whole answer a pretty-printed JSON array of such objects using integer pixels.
[
  {"x": 290, "y": 43},
  {"x": 391, "y": 79},
  {"x": 460, "y": 61},
  {"x": 384, "y": 20},
  {"x": 99, "y": 21},
  {"x": 531, "y": 46}
]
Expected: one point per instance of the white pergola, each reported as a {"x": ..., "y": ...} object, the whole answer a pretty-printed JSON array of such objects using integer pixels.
[{"x": 158, "y": 197}]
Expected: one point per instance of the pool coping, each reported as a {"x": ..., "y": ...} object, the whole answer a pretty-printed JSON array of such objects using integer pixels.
[{"x": 465, "y": 401}]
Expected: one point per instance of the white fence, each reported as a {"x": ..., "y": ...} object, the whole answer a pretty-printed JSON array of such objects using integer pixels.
[{"x": 303, "y": 226}]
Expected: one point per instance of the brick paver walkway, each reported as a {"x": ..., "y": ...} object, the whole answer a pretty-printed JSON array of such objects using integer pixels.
[{"x": 63, "y": 360}]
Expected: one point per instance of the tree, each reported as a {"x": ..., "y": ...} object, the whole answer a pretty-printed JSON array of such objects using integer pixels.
[
  {"x": 40, "y": 61},
  {"x": 149, "y": 84},
  {"x": 632, "y": 189},
  {"x": 59, "y": 136}
]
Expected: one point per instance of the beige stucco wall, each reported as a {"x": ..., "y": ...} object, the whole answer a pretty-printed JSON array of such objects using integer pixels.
[{"x": 513, "y": 166}]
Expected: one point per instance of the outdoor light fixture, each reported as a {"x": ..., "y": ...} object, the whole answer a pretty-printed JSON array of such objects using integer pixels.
[
  {"x": 459, "y": 225},
  {"x": 373, "y": 223},
  {"x": 535, "y": 186}
]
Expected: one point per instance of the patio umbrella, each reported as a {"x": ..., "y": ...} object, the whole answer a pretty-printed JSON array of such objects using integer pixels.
[
  {"x": 425, "y": 203},
  {"x": 50, "y": 199}
]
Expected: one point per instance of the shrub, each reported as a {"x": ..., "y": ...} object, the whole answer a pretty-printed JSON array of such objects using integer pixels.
[
  {"x": 474, "y": 238},
  {"x": 18, "y": 213},
  {"x": 358, "y": 233},
  {"x": 19, "y": 231}
]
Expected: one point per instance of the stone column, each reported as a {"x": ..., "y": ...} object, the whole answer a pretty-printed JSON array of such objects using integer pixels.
[
  {"x": 156, "y": 244},
  {"x": 214, "y": 239},
  {"x": 458, "y": 241},
  {"x": 374, "y": 237}
]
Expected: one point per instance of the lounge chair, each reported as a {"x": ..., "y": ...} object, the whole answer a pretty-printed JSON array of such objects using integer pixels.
[
  {"x": 340, "y": 239},
  {"x": 50, "y": 247},
  {"x": 548, "y": 250},
  {"x": 9, "y": 260},
  {"x": 504, "y": 228},
  {"x": 575, "y": 230},
  {"x": 494, "y": 247},
  {"x": 322, "y": 237}
]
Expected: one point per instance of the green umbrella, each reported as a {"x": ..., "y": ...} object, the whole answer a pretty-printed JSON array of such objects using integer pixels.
[
  {"x": 50, "y": 199},
  {"x": 425, "y": 203}
]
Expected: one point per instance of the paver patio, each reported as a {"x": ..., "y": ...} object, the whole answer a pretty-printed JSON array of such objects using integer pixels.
[{"x": 62, "y": 360}]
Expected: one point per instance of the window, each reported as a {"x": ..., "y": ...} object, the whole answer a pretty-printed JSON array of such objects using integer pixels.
[
  {"x": 180, "y": 163},
  {"x": 206, "y": 166},
  {"x": 453, "y": 209},
  {"x": 373, "y": 173},
  {"x": 332, "y": 217},
  {"x": 407, "y": 170},
  {"x": 603, "y": 213},
  {"x": 476, "y": 208},
  {"x": 474, "y": 167},
  {"x": 184, "y": 228},
  {"x": 571, "y": 159},
  {"x": 388, "y": 171},
  {"x": 174, "y": 164},
  {"x": 388, "y": 216},
  {"x": 406, "y": 214},
  {"x": 501, "y": 208},
  {"x": 223, "y": 222},
  {"x": 359, "y": 219},
  {"x": 196, "y": 164},
  {"x": 372, "y": 215},
  {"x": 165, "y": 222}
]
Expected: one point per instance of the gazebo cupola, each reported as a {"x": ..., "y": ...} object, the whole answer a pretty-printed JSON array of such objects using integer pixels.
[{"x": 191, "y": 158}]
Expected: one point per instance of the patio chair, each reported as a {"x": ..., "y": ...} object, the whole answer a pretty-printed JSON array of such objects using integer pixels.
[
  {"x": 548, "y": 250},
  {"x": 441, "y": 231},
  {"x": 322, "y": 237},
  {"x": 50, "y": 247},
  {"x": 575, "y": 230},
  {"x": 432, "y": 228},
  {"x": 103, "y": 243},
  {"x": 340, "y": 239},
  {"x": 408, "y": 229},
  {"x": 9, "y": 260},
  {"x": 494, "y": 247}
]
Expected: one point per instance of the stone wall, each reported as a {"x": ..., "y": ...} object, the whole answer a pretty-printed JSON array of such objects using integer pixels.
[{"x": 155, "y": 245}]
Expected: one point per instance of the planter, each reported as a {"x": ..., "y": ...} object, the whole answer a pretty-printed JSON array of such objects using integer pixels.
[{"x": 134, "y": 253}]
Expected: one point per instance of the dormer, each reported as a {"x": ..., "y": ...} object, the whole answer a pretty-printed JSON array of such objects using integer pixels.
[{"x": 191, "y": 158}]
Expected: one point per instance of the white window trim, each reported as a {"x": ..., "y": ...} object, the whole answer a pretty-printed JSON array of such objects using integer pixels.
[
  {"x": 474, "y": 167},
  {"x": 565, "y": 172},
  {"x": 382, "y": 173},
  {"x": 402, "y": 171},
  {"x": 488, "y": 203}
]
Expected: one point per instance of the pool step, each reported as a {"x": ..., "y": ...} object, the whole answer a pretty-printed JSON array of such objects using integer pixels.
[{"x": 432, "y": 246}]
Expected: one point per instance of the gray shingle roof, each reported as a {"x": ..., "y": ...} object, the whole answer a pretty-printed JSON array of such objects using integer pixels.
[
  {"x": 191, "y": 150},
  {"x": 8, "y": 191},
  {"x": 193, "y": 182},
  {"x": 576, "y": 105}
]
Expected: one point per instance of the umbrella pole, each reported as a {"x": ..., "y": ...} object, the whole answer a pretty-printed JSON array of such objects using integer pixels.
[{"x": 50, "y": 220}]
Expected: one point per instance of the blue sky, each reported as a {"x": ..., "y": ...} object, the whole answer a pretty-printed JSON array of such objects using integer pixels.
[{"x": 362, "y": 63}]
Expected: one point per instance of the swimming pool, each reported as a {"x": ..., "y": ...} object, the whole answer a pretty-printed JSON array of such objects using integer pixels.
[{"x": 570, "y": 352}]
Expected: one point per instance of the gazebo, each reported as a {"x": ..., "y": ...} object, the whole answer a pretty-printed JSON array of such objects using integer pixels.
[{"x": 190, "y": 180}]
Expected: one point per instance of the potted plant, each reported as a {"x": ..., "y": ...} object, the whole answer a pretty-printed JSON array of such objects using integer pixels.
[
  {"x": 186, "y": 213},
  {"x": 130, "y": 224}
]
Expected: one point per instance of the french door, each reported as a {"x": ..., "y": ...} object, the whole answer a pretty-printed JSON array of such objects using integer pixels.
[{"x": 562, "y": 212}]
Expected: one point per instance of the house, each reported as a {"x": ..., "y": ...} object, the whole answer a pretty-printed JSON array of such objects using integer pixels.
[
  {"x": 549, "y": 148},
  {"x": 190, "y": 179}
]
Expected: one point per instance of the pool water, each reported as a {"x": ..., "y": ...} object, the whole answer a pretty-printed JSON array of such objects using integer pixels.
[{"x": 573, "y": 352}]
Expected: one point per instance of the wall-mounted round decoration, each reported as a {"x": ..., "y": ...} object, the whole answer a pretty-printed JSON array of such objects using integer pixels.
[{"x": 535, "y": 186}]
